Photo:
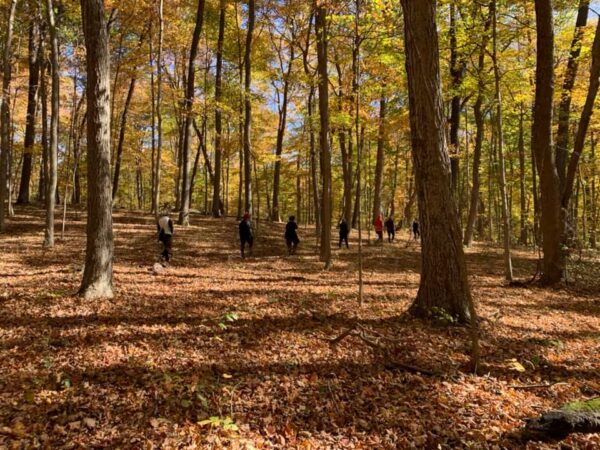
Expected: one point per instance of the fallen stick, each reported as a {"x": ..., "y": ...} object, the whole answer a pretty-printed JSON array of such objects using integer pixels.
[{"x": 535, "y": 386}]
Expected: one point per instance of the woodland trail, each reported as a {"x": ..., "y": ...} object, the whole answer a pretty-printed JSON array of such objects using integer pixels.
[{"x": 242, "y": 342}]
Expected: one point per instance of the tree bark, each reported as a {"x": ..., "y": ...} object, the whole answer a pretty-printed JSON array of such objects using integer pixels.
[
  {"x": 248, "y": 108},
  {"x": 97, "y": 275},
  {"x": 444, "y": 284},
  {"x": 216, "y": 203},
  {"x": 323, "y": 86},
  {"x": 541, "y": 143},
  {"x": 184, "y": 213},
  {"x": 379, "y": 164},
  {"x": 158, "y": 163},
  {"x": 5, "y": 119},
  {"x": 52, "y": 180},
  {"x": 32, "y": 102},
  {"x": 564, "y": 109},
  {"x": 522, "y": 193},
  {"x": 457, "y": 70},
  {"x": 122, "y": 130}
]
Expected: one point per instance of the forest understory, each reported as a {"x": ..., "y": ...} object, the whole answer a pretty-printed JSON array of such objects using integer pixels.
[{"x": 220, "y": 352}]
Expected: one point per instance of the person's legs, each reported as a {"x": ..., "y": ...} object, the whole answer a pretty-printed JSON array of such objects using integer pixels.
[
  {"x": 242, "y": 247},
  {"x": 288, "y": 242},
  {"x": 167, "y": 247},
  {"x": 346, "y": 239},
  {"x": 340, "y": 243}
]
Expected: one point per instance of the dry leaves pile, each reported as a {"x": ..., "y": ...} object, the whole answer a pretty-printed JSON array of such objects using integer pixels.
[{"x": 218, "y": 352}]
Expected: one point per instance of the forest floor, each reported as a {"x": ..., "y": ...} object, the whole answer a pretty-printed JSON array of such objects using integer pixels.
[{"x": 219, "y": 352}]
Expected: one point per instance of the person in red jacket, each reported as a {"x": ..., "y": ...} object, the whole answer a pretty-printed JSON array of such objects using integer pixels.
[{"x": 378, "y": 223}]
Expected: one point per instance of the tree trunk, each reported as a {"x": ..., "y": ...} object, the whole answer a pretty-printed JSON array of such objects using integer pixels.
[
  {"x": 457, "y": 70},
  {"x": 122, "y": 130},
  {"x": 522, "y": 193},
  {"x": 216, "y": 203},
  {"x": 323, "y": 86},
  {"x": 52, "y": 180},
  {"x": 32, "y": 101},
  {"x": 444, "y": 284},
  {"x": 184, "y": 212},
  {"x": 564, "y": 109},
  {"x": 97, "y": 275},
  {"x": 541, "y": 143},
  {"x": 379, "y": 159},
  {"x": 157, "y": 165},
  {"x": 248, "y": 108},
  {"x": 5, "y": 119},
  {"x": 506, "y": 219}
]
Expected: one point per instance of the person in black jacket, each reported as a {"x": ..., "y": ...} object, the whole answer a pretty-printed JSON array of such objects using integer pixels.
[
  {"x": 344, "y": 231},
  {"x": 165, "y": 235},
  {"x": 246, "y": 234},
  {"x": 415, "y": 229},
  {"x": 390, "y": 228},
  {"x": 291, "y": 235}
]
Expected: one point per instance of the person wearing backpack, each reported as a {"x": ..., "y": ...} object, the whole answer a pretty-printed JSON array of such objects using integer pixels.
[{"x": 291, "y": 235}]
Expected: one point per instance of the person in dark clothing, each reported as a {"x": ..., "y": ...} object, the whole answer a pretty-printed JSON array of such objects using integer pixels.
[
  {"x": 415, "y": 230},
  {"x": 291, "y": 235},
  {"x": 344, "y": 231},
  {"x": 390, "y": 228},
  {"x": 165, "y": 235},
  {"x": 246, "y": 234},
  {"x": 378, "y": 223}
]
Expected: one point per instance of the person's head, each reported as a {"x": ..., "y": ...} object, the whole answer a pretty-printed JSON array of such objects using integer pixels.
[
  {"x": 292, "y": 219},
  {"x": 246, "y": 215},
  {"x": 343, "y": 220}
]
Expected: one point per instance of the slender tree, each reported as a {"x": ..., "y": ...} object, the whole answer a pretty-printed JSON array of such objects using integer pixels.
[
  {"x": 248, "y": 107},
  {"x": 379, "y": 159},
  {"x": 97, "y": 275},
  {"x": 216, "y": 203}
]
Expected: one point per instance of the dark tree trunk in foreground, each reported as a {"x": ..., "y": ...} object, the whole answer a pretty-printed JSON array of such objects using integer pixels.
[
  {"x": 248, "y": 108},
  {"x": 444, "y": 284},
  {"x": 321, "y": 32},
  {"x": 97, "y": 275},
  {"x": 564, "y": 109},
  {"x": 216, "y": 203},
  {"x": 32, "y": 101},
  {"x": 5, "y": 118},
  {"x": 184, "y": 213},
  {"x": 541, "y": 144},
  {"x": 52, "y": 180}
]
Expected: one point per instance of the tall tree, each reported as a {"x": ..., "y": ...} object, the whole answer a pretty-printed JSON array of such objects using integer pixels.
[
  {"x": 541, "y": 144},
  {"x": 379, "y": 159},
  {"x": 457, "y": 71},
  {"x": 322, "y": 38},
  {"x": 248, "y": 107},
  {"x": 5, "y": 118},
  {"x": 216, "y": 203},
  {"x": 444, "y": 283},
  {"x": 564, "y": 109},
  {"x": 32, "y": 102},
  {"x": 188, "y": 105},
  {"x": 159, "y": 70},
  {"x": 97, "y": 275},
  {"x": 52, "y": 180}
]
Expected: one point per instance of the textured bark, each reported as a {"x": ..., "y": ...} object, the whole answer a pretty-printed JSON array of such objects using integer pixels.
[
  {"x": 121, "y": 141},
  {"x": 32, "y": 101},
  {"x": 325, "y": 153},
  {"x": 5, "y": 119},
  {"x": 564, "y": 109},
  {"x": 557, "y": 425},
  {"x": 457, "y": 70},
  {"x": 541, "y": 143},
  {"x": 97, "y": 275},
  {"x": 52, "y": 180},
  {"x": 158, "y": 163},
  {"x": 184, "y": 212},
  {"x": 522, "y": 193},
  {"x": 216, "y": 203},
  {"x": 248, "y": 108},
  {"x": 444, "y": 284},
  {"x": 379, "y": 164}
]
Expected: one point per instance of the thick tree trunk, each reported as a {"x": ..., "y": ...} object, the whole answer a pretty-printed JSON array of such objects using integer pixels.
[
  {"x": 97, "y": 275},
  {"x": 248, "y": 108},
  {"x": 32, "y": 101},
  {"x": 379, "y": 164},
  {"x": 5, "y": 119},
  {"x": 216, "y": 203},
  {"x": 184, "y": 212},
  {"x": 52, "y": 181},
  {"x": 541, "y": 143},
  {"x": 444, "y": 284},
  {"x": 564, "y": 109},
  {"x": 321, "y": 33}
]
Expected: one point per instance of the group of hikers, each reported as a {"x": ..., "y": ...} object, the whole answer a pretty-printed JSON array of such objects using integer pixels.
[{"x": 246, "y": 233}]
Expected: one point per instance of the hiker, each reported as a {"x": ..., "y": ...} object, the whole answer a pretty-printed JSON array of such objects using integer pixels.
[
  {"x": 165, "y": 235},
  {"x": 415, "y": 230},
  {"x": 344, "y": 231},
  {"x": 390, "y": 228},
  {"x": 246, "y": 234},
  {"x": 378, "y": 223},
  {"x": 291, "y": 235}
]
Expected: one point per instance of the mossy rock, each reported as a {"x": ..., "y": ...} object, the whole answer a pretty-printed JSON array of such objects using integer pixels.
[{"x": 592, "y": 405}]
